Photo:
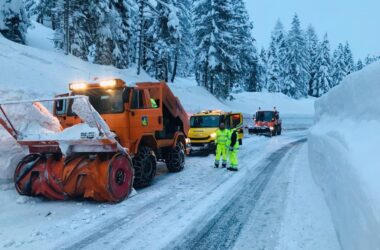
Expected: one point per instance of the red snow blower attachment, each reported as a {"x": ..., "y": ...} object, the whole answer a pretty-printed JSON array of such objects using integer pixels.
[{"x": 83, "y": 161}]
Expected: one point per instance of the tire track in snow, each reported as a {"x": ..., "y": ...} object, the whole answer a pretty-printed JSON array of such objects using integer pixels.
[{"x": 222, "y": 231}]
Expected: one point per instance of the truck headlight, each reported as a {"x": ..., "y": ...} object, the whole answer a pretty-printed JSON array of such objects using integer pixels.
[
  {"x": 108, "y": 83},
  {"x": 213, "y": 135},
  {"x": 78, "y": 86},
  {"x": 188, "y": 141},
  {"x": 271, "y": 128}
]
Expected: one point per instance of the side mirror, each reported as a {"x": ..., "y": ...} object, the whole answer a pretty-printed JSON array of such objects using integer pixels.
[{"x": 60, "y": 107}]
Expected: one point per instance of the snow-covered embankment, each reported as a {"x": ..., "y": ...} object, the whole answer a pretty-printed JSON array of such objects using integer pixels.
[{"x": 344, "y": 157}]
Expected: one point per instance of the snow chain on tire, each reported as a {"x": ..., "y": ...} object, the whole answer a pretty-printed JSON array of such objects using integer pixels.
[
  {"x": 176, "y": 158},
  {"x": 145, "y": 165}
]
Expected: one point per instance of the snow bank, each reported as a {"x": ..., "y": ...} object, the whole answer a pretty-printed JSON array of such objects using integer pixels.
[{"x": 343, "y": 154}]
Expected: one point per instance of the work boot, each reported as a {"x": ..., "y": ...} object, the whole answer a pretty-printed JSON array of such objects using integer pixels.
[
  {"x": 224, "y": 165},
  {"x": 232, "y": 169},
  {"x": 216, "y": 165}
]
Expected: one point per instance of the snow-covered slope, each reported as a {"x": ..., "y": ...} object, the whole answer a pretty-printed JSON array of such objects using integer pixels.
[
  {"x": 46, "y": 72},
  {"x": 344, "y": 156}
]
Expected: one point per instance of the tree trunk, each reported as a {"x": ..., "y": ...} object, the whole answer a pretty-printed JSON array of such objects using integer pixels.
[
  {"x": 175, "y": 66},
  {"x": 141, "y": 20},
  {"x": 205, "y": 82}
]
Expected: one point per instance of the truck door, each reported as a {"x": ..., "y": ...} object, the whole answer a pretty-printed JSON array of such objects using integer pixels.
[
  {"x": 236, "y": 120},
  {"x": 145, "y": 113}
]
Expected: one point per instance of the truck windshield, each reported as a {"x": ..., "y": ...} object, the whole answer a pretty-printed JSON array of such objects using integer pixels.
[
  {"x": 265, "y": 116},
  {"x": 210, "y": 121},
  {"x": 108, "y": 101}
]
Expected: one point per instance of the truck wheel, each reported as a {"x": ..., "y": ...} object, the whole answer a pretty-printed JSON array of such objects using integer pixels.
[
  {"x": 145, "y": 165},
  {"x": 176, "y": 158},
  {"x": 273, "y": 133},
  {"x": 240, "y": 142},
  {"x": 279, "y": 130}
]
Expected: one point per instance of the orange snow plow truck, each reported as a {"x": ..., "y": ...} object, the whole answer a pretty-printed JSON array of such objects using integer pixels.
[{"x": 110, "y": 138}]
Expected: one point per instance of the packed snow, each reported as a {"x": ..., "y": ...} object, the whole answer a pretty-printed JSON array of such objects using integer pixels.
[
  {"x": 307, "y": 221},
  {"x": 343, "y": 154}
]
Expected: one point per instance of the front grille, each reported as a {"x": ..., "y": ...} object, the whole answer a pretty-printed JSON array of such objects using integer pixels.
[{"x": 199, "y": 138}]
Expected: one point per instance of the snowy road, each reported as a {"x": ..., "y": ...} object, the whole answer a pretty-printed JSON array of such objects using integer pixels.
[
  {"x": 223, "y": 230},
  {"x": 199, "y": 208}
]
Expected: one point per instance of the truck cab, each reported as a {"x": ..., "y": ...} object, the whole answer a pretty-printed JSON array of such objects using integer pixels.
[
  {"x": 203, "y": 127},
  {"x": 267, "y": 122}
]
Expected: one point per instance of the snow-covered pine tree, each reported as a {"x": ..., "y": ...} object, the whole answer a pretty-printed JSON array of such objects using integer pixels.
[
  {"x": 31, "y": 7},
  {"x": 184, "y": 52},
  {"x": 297, "y": 62},
  {"x": 165, "y": 36},
  {"x": 97, "y": 31},
  {"x": 371, "y": 59},
  {"x": 14, "y": 21},
  {"x": 349, "y": 59},
  {"x": 359, "y": 65},
  {"x": 145, "y": 41},
  {"x": 322, "y": 80},
  {"x": 312, "y": 44},
  {"x": 42, "y": 11},
  {"x": 338, "y": 65},
  {"x": 203, "y": 26},
  {"x": 70, "y": 34},
  {"x": 217, "y": 62},
  {"x": 121, "y": 16},
  {"x": 276, "y": 58},
  {"x": 263, "y": 68},
  {"x": 248, "y": 76}
]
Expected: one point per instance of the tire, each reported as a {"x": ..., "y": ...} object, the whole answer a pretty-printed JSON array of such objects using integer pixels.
[
  {"x": 145, "y": 165},
  {"x": 279, "y": 130},
  {"x": 175, "y": 161},
  {"x": 240, "y": 142},
  {"x": 120, "y": 177}
]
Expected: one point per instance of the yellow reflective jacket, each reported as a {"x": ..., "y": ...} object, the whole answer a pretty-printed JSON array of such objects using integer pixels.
[{"x": 222, "y": 136}]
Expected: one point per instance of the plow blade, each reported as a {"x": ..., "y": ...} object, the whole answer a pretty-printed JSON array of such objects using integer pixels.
[{"x": 97, "y": 177}]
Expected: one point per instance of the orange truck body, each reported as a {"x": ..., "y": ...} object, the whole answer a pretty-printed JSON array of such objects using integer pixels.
[{"x": 128, "y": 125}]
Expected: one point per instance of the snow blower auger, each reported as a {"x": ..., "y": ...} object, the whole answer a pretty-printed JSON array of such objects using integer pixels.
[{"x": 84, "y": 161}]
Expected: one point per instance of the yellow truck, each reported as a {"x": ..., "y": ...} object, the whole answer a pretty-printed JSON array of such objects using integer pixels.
[{"x": 203, "y": 127}]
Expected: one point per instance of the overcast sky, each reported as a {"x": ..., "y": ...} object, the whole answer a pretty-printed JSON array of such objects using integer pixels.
[{"x": 357, "y": 21}]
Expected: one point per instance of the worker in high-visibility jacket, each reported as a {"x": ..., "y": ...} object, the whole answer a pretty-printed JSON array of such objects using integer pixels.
[
  {"x": 153, "y": 103},
  {"x": 221, "y": 140},
  {"x": 233, "y": 147}
]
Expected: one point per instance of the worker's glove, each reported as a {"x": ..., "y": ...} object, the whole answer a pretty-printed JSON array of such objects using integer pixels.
[{"x": 231, "y": 149}]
